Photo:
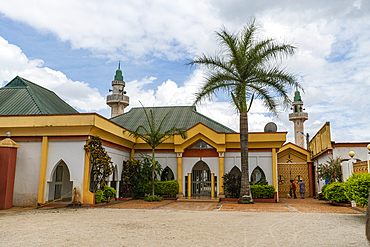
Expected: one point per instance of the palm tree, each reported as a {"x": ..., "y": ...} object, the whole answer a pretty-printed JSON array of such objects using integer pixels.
[
  {"x": 248, "y": 68},
  {"x": 153, "y": 134}
]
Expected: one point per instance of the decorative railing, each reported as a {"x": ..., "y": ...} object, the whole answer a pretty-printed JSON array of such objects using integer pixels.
[
  {"x": 117, "y": 98},
  {"x": 360, "y": 167}
]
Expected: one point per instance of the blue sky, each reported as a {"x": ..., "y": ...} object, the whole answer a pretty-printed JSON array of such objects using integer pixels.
[{"x": 73, "y": 48}]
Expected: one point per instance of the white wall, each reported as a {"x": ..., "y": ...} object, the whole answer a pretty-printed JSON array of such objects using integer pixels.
[
  {"x": 73, "y": 154},
  {"x": 261, "y": 159},
  {"x": 118, "y": 156},
  {"x": 27, "y": 174},
  {"x": 360, "y": 152}
]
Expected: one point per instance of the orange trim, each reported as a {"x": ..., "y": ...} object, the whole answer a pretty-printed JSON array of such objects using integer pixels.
[
  {"x": 113, "y": 145},
  {"x": 200, "y": 153},
  {"x": 58, "y": 138},
  {"x": 157, "y": 151},
  {"x": 249, "y": 150},
  {"x": 25, "y": 138},
  {"x": 349, "y": 144}
]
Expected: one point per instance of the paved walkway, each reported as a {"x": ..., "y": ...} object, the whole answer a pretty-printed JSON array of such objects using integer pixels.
[{"x": 307, "y": 205}]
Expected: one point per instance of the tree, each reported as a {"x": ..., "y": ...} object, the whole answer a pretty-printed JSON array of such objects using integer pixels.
[
  {"x": 101, "y": 164},
  {"x": 248, "y": 69},
  {"x": 332, "y": 170},
  {"x": 153, "y": 134}
]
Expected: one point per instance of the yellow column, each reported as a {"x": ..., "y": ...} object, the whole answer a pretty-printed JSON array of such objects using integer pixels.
[
  {"x": 221, "y": 171},
  {"x": 274, "y": 170},
  {"x": 132, "y": 154},
  {"x": 43, "y": 167},
  {"x": 179, "y": 171},
  {"x": 189, "y": 185},
  {"x": 87, "y": 196},
  {"x": 213, "y": 185}
]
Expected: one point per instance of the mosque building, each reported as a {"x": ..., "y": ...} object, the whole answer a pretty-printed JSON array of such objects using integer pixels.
[{"x": 48, "y": 136}]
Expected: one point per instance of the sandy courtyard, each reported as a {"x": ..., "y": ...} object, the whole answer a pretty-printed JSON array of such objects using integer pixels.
[{"x": 167, "y": 227}]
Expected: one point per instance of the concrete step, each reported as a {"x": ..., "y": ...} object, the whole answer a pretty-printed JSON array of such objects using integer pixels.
[{"x": 210, "y": 200}]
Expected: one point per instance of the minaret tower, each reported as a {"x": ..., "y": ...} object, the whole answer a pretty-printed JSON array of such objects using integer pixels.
[
  {"x": 298, "y": 117},
  {"x": 118, "y": 101}
]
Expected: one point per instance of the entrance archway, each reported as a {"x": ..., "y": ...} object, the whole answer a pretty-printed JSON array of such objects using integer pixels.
[
  {"x": 201, "y": 180},
  {"x": 60, "y": 184}
]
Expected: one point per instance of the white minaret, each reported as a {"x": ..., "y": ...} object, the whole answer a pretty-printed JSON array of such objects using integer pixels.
[
  {"x": 118, "y": 101},
  {"x": 298, "y": 117}
]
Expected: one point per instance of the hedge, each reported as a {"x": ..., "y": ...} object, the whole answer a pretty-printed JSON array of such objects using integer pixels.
[
  {"x": 163, "y": 188},
  {"x": 336, "y": 192},
  {"x": 357, "y": 188},
  {"x": 259, "y": 191}
]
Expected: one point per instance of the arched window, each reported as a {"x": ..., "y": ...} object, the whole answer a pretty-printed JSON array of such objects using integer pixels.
[
  {"x": 201, "y": 145},
  {"x": 60, "y": 184},
  {"x": 235, "y": 172},
  {"x": 258, "y": 176},
  {"x": 167, "y": 174}
]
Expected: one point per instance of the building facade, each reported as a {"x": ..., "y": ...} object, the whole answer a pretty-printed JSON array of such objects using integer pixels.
[{"x": 51, "y": 160}]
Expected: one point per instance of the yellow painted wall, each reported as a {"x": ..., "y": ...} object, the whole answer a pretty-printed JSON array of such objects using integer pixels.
[{"x": 321, "y": 142}]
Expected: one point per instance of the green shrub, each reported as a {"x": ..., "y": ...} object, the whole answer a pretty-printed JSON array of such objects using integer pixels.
[
  {"x": 105, "y": 195},
  {"x": 232, "y": 185},
  {"x": 323, "y": 189},
  {"x": 336, "y": 192},
  {"x": 261, "y": 191},
  {"x": 357, "y": 188},
  {"x": 163, "y": 188},
  {"x": 151, "y": 198},
  {"x": 136, "y": 174}
]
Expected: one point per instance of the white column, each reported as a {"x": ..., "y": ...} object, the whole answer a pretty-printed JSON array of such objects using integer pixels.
[{"x": 117, "y": 188}]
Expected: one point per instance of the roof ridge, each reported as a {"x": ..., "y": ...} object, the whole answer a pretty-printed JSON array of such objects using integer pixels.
[
  {"x": 210, "y": 119},
  {"x": 34, "y": 98},
  {"x": 34, "y": 84}
]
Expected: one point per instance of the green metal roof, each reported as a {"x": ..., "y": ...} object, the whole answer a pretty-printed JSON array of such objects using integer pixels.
[
  {"x": 22, "y": 97},
  {"x": 178, "y": 116}
]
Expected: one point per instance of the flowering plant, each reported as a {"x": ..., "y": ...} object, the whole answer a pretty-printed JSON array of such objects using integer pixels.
[{"x": 332, "y": 170}]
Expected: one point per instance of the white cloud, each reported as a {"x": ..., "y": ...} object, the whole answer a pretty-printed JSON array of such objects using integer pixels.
[
  {"x": 14, "y": 62},
  {"x": 332, "y": 59}
]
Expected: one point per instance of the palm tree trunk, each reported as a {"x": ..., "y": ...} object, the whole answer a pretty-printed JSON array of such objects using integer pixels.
[
  {"x": 153, "y": 169},
  {"x": 245, "y": 189}
]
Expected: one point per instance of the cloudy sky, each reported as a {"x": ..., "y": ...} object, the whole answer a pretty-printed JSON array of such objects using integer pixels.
[{"x": 73, "y": 47}]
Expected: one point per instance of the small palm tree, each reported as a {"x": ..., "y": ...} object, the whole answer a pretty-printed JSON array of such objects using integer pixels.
[
  {"x": 155, "y": 135},
  {"x": 248, "y": 69}
]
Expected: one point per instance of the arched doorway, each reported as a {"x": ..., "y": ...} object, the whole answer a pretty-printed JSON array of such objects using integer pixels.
[
  {"x": 60, "y": 184},
  {"x": 258, "y": 176},
  {"x": 201, "y": 180},
  {"x": 167, "y": 174}
]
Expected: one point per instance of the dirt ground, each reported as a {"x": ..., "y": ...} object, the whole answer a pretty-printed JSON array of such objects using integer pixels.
[{"x": 168, "y": 223}]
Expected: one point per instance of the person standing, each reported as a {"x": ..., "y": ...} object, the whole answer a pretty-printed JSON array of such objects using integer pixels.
[
  {"x": 294, "y": 188},
  {"x": 302, "y": 189}
]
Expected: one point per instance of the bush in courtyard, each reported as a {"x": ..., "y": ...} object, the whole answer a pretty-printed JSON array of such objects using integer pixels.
[
  {"x": 331, "y": 170},
  {"x": 336, "y": 192},
  {"x": 136, "y": 174},
  {"x": 151, "y": 198},
  {"x": 262, "y": 191},
  {"x": 105, "y": 195},
  {"x": 323, "y": 188},
  {"x": 356, "y": 188},
  {"x": 232, "y": 185},
  {"x": 163, "y": 188}
]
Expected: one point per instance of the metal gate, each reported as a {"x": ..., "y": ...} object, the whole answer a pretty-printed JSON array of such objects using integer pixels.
[
  {"x": 295, "y": 172},
  {"x": 201, "y": 183}
]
